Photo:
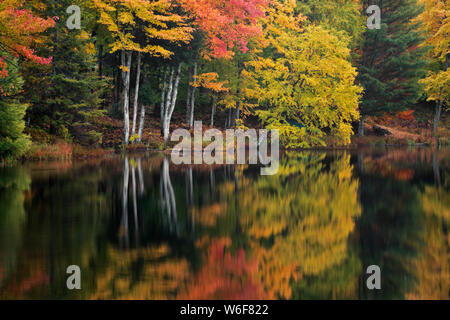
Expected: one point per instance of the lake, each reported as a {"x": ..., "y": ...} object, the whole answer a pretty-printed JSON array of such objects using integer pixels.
[{"x": 142, "y": 228}]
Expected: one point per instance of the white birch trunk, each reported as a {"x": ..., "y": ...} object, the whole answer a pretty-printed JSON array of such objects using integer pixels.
[
  {"x": 141, "y": 123},
  {"x": 192, "y": 106},
  {"x": 171, "y": 101},
  {"x": 163, "y": 98},
  {"x": 136, "y": 94},
  {"x": 126, "y": 62},
  {"x": 188, "y": 99},
  {"x": 165, "y": 119}
]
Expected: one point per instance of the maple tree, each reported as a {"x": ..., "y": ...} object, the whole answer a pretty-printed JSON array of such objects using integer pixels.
[
  {"x": 226, "y": 25},
  {"x": 19, "y": 32}
]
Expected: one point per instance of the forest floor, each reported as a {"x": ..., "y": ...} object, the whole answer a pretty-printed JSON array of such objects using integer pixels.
[
  {"x": 406, "y": 128},
  {"x": 411, "y": 127}
]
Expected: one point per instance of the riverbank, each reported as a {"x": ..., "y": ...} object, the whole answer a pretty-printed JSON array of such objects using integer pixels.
[{"x": 409, "y": 128}]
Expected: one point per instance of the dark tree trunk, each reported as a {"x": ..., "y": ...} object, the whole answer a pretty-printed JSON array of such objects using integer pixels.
[{"x": 361, "y": 126}]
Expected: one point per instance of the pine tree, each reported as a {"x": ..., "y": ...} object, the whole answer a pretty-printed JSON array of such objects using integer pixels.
[
  {"x": 66, "y": 95},
  {"x": 13, "y": 142},
  {"x": 392, "y": 61}
]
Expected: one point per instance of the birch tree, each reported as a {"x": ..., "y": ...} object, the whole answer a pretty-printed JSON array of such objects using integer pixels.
[
  {"x": 169, "y": 98},
  {"x": 125, "y": 20}
]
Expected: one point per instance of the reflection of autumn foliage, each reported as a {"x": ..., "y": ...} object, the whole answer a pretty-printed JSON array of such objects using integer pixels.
[
  {"x": 207, "y": 215},
  {"x": 143, "y": 274},
  {"x": 388, "y": 170},
  {"x": 306, "y": 213},
  {"x": 224, "y": 276},
  {"x": 36, "y": 279},
  {"x": 433, "y": 267}
]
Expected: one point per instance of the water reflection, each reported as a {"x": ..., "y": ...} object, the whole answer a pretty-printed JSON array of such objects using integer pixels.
[{"x": 142, "y": 228}]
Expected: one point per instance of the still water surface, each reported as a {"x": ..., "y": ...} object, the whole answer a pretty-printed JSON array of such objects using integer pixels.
[{"x": 142, "y": 228}]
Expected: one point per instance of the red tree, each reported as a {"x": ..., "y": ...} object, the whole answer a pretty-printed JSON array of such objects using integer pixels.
[
  {"x": 226, "y": 24},
  {"x": 19, "y": 30}
]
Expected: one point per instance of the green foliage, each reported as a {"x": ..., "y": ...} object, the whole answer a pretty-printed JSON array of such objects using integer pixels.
[
  {"x": 13, "y": 141},
  {"x": 393, "y": 60},
  {"x": 69, "y": 91},
  {"x": 342, "y": 17}
]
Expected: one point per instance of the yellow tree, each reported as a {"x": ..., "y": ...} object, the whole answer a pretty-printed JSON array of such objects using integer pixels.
[
  {"x": 436, "y": 21},
  {"x": 154, "y": 21},
  {"x": 309, "y": 235},
  {"x": 209, "y": 81},
  {"x": 306, "y": 85}
]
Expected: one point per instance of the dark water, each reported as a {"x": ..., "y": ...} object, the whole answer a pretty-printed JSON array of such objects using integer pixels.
[{"x": 141, "y": 228}]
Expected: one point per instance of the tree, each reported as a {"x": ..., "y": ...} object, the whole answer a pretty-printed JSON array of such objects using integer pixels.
[
  {"x": 392, "y": 60},
  {"x": 226, "y": 24},
  {"x": 436, "y": 22},
  {"x": 227, "y": 27},
  {"x": 343, "y": 18},
  {"x": 13, "y": 142},
  {"x": 308, "y": 237},
  {"x": 66, "y": 96},
  {"x": 306, "y": 82},
  {"x": 19, "y": 32},
  {"x": 146, "y": 27},
  {"x": 209, "y": 81}
]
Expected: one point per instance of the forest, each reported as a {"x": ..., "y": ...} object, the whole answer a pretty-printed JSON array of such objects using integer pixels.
[{"x": 84, "y": 78}]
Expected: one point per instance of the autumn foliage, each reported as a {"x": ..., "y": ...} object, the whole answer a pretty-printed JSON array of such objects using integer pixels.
[
  {"x": 227, "y": 25},
  {"x": 19, "y": 32}
]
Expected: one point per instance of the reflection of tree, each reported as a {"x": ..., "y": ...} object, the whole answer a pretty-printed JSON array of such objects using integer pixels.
[
  {"x": 298, "y": 221},
  {"x": 65, "y": 215},
  {"x": 389, "y": 231},
  {"x": 224, "y": 275},
  {"x": 167, "y": 199},
  {"x": 151, "y": 273},
  {"x": 432, "y": 268},
  {"x": 13, "y": 184}
]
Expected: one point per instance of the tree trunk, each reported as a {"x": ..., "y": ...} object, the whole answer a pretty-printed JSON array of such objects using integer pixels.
[
  {"x": 213, "y": 110},
  {"x": 165, "y": 124},
  {"x": 188, "y": 98},
  {"x": 175, "y": 92},
  {"x": 237, "y": 114},
  {"x": 136, "y": 94},
  {"x": 142, "y": 118},
  {"x": 228, "y": 125},
  {"x": 170, "y": 101},
  {"x": 361, "y": 126},
  {"x": 126, "y": 62},
  {"x": 163, "y": 98},
  {"x": 437, "y": 117},
  {"x": 141, "y": 124},
  {"x": 439, "y": 104},
  {"x": 193, "y": 92},
  {"x": 100, "y": 62}
]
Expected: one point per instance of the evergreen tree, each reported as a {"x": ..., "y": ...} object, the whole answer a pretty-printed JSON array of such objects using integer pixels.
[
  {"x": 13, "y": 142},
  {"x": 392, "y": 61},
  {"x": 66, "y": 96}
]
